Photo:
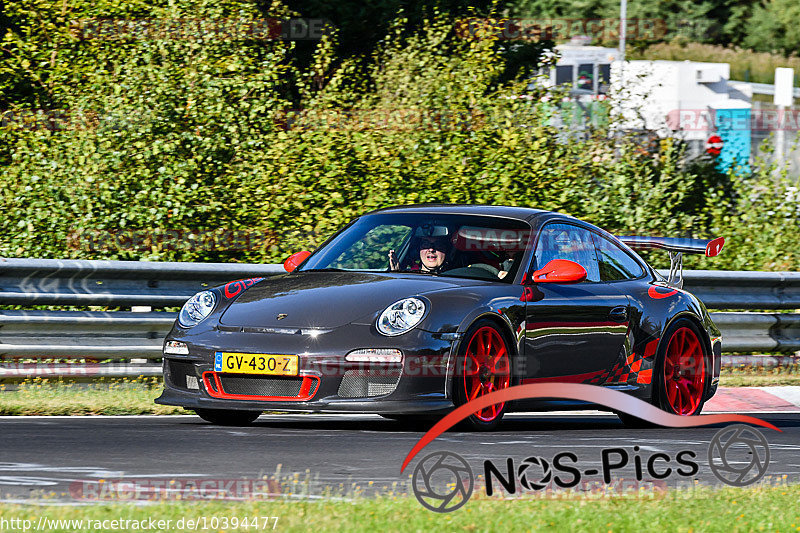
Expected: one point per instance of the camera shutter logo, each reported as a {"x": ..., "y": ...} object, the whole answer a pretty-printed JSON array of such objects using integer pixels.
[
  {"x": 527, "y": 476},
  {"x": 738, "y": 455},
  {"x": 442, "y": 482}
]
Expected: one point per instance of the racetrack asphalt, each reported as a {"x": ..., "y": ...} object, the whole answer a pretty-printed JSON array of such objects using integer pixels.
[{"x": 57, "y": 456}]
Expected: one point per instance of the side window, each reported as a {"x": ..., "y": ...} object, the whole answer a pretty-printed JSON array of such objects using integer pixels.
[
  {"x": 615, "y": 263},
  {"x": 565, "y": 241},
  {"x": 370, "y": 252}
]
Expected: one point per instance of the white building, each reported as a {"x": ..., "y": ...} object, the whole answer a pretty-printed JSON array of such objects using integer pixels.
[{"x": 689, "y": 100}]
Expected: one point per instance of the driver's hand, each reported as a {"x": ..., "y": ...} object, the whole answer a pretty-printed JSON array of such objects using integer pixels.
[{"x": 394, "y": 264}]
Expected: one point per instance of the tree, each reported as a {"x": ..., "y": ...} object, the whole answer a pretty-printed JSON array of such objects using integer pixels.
[{"x": 773, "y": 26}]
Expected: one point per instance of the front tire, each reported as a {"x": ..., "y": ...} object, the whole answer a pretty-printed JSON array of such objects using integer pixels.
[
  {"x": 482, "y": 368},
  {"x": 223, "y": 417}
]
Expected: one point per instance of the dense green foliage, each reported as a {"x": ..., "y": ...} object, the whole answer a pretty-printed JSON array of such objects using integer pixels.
[
  {"x": 761, "y": 25},
  {"x": 773, "y": 26},
  {"x": 259, "y": 137}
]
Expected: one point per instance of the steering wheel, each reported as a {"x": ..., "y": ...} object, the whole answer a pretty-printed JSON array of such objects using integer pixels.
[{"x": 489, "y": 268}]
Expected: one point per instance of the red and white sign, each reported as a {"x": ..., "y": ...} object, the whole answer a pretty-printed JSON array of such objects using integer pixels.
[{"x": 714, "y": 145}]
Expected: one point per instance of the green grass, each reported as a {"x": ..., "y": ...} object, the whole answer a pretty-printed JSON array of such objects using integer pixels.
[
  {"x": 698, "y": 509},
  {"x": 759, "y": 65},
  {"x": 760, "y": 377},
  {"x": 111, "y": 397}
]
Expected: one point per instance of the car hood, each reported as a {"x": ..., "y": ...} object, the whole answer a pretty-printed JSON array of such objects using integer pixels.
[{"x": 327, "y": 299}]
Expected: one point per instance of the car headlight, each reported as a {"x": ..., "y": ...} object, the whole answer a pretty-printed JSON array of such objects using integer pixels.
[
  {"x": 401, "y": 316},
  {"x": 197, "y": 309}
]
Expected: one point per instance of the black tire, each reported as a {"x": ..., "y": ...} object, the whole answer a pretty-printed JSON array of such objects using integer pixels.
[
  {"x": 459, "y": 384},
  {"x": 660, "y": 397},
  {"x": 223, "y": 417}
]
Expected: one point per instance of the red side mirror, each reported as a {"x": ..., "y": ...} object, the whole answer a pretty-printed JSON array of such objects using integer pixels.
[
  {"x": 295, "y": 260},
  {"x": 559, "y": 271}
]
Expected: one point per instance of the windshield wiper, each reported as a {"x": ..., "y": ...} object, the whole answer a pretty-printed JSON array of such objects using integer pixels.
[
  {"x": 325, "y": 270},
  {"x": 421, "y": 272}
]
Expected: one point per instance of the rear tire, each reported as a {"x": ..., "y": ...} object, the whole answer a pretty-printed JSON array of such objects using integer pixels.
[
  {"x": 681, "y": 374},
  {"x": 483, "y": 367},
  {"x": 223, "y": 417}
]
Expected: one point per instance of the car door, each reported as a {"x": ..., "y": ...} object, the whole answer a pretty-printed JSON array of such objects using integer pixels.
[
  {"x": 627, "y": 275},
  {"x": 573, "y": 331}
]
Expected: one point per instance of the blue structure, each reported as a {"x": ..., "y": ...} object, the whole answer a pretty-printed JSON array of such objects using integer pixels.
[{"x": 733, "y": 126}]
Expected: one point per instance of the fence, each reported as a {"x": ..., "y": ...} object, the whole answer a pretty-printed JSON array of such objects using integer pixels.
[{"x": 137, "y": 334}]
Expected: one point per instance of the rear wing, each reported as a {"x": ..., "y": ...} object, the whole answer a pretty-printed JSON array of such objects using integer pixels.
[{"x": 676, "y": 248}]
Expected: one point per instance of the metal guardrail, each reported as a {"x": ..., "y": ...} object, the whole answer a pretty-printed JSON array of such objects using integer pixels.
[
  {"x": 121, "y": 335},
  {"x": 125, "y": 335},
  {"x": 766, "y": 88},
  {"x": 744, "y": 290},
  {"x": 114, "y": 283},
  {"x": 126, "y": 283},
  {"x": 759, "y": 332},
  {"x": 83, "y": 334},
  {"x": 82, "y": 372}
]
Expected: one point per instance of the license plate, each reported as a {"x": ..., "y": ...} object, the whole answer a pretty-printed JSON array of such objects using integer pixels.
[{"x": 256, "y": 363}]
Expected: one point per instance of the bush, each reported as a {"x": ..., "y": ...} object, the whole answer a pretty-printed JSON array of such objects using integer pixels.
[
  {"x": 761, "y": 221},
  {"x": 215, "y": 135}
]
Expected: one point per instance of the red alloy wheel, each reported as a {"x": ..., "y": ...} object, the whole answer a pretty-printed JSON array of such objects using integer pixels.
[
  {"x": 486, "y": 369},
  {"x": 684, "y": 372}
]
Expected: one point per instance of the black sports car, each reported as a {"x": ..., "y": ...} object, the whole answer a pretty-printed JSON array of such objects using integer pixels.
[{"x": 409, "y": 311}]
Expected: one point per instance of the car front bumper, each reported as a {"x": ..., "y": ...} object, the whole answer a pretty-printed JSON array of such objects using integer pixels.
[{"x": 325, "y": 380}]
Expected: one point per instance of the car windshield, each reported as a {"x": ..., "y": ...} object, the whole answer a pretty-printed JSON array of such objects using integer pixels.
[{"x": 467, "y": 246}]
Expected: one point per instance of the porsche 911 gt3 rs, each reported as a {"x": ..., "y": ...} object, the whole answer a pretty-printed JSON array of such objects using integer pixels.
[{"x": 410, "y": 311}]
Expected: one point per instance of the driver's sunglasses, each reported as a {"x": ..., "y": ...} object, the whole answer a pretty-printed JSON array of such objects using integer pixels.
[{"x": 427, "y": 244}]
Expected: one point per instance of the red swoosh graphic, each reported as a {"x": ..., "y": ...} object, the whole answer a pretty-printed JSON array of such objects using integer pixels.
[
  {"x": 653, "y": 292},
  {"x": 616, "y": 400}
]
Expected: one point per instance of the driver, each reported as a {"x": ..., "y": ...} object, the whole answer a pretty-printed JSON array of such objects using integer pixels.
[{"x": 432, "y": 255}]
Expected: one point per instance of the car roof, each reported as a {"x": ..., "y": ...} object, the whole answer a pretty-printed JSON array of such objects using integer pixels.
[{"x": 520, "y": 213}]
